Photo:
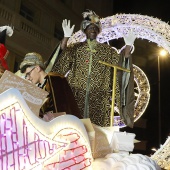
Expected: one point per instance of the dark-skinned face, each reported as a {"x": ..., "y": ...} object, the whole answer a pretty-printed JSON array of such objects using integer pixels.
[{"x": 91, "y": 31}]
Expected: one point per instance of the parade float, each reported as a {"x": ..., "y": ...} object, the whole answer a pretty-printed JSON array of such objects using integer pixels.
[
  {"x": 28, "y": 142},
  {"x": 68, "y": 143}
]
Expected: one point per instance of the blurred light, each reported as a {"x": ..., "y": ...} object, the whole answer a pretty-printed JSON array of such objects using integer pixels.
[
  {"x": 154, "y": 149},
  {"x": 163, "y": 53}
]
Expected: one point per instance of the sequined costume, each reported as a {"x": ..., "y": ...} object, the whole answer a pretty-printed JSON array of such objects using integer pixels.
[{"x": 81, "y": 60}]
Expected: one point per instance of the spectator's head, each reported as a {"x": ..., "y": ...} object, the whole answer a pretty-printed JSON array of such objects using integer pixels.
[{"x": 33, "y": 67}]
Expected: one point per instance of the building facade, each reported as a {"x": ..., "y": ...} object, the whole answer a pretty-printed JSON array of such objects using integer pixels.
[{"x": 37, "y": 24}]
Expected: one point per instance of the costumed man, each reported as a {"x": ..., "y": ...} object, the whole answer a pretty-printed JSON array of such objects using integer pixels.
[
  {"x": 4, "y": 30},
  {"x": 68, "y": 31},
  {"x": 60, "y": 98},
  {"x": 91, "y": 81}
]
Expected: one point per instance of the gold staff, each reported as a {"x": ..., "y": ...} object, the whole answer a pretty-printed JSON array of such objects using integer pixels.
[{"x": 114, "y": 86}]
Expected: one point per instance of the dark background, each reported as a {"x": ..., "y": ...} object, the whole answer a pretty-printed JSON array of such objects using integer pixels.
[{"x": 149, "y": 52}]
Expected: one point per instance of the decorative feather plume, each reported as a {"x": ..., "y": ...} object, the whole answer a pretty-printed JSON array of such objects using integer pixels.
[
  {"x": 91, "y": 16},
  {"x": 87, "y": 13}
]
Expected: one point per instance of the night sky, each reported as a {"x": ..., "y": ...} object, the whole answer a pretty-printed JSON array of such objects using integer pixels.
[
  {"x": 154, "y": 8},
  {"x": 157, "y": 9}
]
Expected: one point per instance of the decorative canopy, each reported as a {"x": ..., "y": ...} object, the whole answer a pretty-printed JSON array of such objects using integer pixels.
[{"x": 144, "y": 27}]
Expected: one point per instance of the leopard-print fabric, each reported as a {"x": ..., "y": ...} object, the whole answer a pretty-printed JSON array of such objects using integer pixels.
[{"x": 76, "y": 58}]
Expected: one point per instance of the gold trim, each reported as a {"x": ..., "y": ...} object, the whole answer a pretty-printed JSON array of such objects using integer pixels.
[{"x": 113, "y": 87}]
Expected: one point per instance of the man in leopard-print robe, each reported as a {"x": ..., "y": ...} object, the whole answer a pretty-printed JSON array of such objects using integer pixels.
[{"x": 91, "y": 81}]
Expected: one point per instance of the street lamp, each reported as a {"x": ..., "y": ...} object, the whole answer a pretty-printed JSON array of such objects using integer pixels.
[{"x": 162, "y": 53}]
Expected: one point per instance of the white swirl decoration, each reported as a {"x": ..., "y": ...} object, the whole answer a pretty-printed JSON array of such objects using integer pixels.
[{"x": 144, "y": 27}]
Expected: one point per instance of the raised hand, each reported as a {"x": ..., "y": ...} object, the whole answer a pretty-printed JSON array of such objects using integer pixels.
[
  {"x": 129, "y": 38},
  {"x": 66, "y": 28}
]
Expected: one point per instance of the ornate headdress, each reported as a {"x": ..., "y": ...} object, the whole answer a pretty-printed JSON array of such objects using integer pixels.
[
  {"x": 90, "y": 17},
  {"x": 32, "y": 59}
]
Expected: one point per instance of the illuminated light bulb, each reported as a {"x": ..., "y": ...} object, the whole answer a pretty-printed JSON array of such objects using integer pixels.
[
  {"x": 154, "y": 149},
  {"x": 9, "y": 133},
  {"x": 163, "y": 52}
]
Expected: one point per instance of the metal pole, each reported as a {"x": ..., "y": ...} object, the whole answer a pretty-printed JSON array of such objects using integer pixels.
[
  {"x": 113, "y": 97},
  {"x": 159, "y": 104},
  {"x": 114, "y": 87}
]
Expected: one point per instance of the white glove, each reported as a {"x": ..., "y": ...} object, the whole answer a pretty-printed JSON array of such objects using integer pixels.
[
  {"x": 129, "y": 38},
  {"x": 9, "y": 30},
  {"x": 66, "y": 28}
]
